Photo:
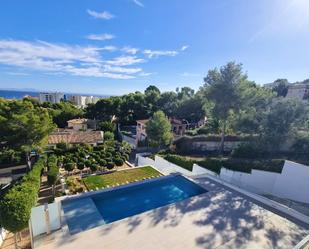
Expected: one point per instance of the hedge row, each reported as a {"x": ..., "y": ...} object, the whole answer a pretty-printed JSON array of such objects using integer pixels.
[
  {"x": 215, "y": 164},
  {"x": 15, "y": 207},
  {"x": 53, "y": 170}
]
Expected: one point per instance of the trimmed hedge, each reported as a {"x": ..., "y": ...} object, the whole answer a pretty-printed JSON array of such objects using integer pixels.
[
  {"x": 215, "y": 164},
  {"x": 53, "y": 170},
  {"x": 15, "y": 207}
]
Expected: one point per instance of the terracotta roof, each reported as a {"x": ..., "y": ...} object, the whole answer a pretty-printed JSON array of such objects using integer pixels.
[
  {"x": 75, "y": 137},
  {"x": 142, "y": 121},
  {"x": 78, "y": 121}
]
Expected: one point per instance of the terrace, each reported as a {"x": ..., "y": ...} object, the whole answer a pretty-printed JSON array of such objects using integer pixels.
[{"x": 218, "y": 218}]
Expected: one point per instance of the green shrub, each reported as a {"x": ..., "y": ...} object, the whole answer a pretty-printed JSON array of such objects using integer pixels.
[
  {"x": 69, "y": 166},
  {"x": 245, "y": 150},
  {"x": 110, "y": 164},
  {"x": 118, "y": 161},
  {"x": 102, "y": 162},
  {"x": 80, "y": 165},
  {"x": 16, "y": 204},
  {"x": 94, "y": 167},
  {"x": 88, "y": 163},
  {"x": 53, "y": 170},
  {"x": 181, "y": 161},
  {"x": 109, "y": 135}
]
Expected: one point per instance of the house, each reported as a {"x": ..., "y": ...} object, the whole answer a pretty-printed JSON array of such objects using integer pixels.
[
  {"x": 141, "y": 134},
  {"x": 298, "y": 91},
  {"x": 70, "y": 136},
  {"x": 178, "y": 128},
  {"x": 51, "y": 97},
  {"x": 82, "y": 124}
]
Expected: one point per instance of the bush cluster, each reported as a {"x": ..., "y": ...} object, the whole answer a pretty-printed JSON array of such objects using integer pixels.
[
  {"x": 107, "y": 155},
  {"x": 16, "y": 204}
]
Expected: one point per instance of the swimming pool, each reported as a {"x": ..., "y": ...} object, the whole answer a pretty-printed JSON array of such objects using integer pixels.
[{"x": 102, "y": 208}]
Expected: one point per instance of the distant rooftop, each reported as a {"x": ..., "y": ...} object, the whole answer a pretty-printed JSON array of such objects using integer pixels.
[{"x": 75, "y": 137}]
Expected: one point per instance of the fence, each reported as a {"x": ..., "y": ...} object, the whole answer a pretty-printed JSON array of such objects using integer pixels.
[
  {"x": 167, "y": 167},
  {"x": 45, "y": 218}
]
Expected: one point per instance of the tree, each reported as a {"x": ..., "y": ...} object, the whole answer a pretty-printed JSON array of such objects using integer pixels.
[
  {"x": 24, "y": 126},
  {"x": 64, "y": 111},
  {"x": 107, "y": 126},
  {"x": 220, "y": 88},
  {"x": 281, "y": 119},
  {"x": 281, "y": 87},
  {"x": 158, "y": 130}
]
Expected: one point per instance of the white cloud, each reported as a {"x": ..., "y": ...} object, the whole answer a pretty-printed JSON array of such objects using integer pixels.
[
  {"x": 125, "y": 61},
  {"x": 109, "y": 48},
  {"x": 100, "y": 37},
  {"x": 62, "y": 59},
  {"x": 144, "y": 74},
  {"x": 130, "y": 50},
  {"x": 184, "y": 47},
  {"x": 122, "y": 69},
  {"x": 156, "y": 53},
  {"x": 186, "y": 74},
  {"x": 139, "y": 3},
  {"x": 100, "y": 15}
]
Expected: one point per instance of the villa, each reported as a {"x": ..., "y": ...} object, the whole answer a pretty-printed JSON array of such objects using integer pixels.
[
  {"x": 168, "y": 210},
  {"x": 179, "y": 127}
]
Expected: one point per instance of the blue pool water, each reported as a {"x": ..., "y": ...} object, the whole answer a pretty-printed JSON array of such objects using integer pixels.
[{"x": 102, "y": 208}]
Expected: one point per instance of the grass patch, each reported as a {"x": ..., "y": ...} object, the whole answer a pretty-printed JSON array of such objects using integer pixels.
[{"x": 120, "y": 177}]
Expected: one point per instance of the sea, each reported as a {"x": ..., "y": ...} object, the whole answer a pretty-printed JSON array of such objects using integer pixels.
[{"x": 16, "y": 94}]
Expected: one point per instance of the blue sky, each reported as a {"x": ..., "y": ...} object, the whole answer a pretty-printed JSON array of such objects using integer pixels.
[{"x": 120, "y": 46}]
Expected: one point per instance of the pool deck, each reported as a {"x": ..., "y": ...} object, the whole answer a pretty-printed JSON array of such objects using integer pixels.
[{"x": 220, "y": 218}]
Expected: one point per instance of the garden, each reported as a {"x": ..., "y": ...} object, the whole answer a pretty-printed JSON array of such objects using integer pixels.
[{"x": 102, "y": 157}]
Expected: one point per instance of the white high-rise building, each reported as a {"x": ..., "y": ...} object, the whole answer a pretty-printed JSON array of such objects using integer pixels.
[
  {"x": 52, "y": 97},
  {"x": 78, "y": 100}
]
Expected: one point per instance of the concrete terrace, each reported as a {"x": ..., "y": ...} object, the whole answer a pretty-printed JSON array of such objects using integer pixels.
[{"x": 220, "y": 218}]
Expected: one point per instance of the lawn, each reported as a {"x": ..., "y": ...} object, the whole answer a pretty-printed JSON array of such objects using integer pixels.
[{"x": 120, "y": 177}]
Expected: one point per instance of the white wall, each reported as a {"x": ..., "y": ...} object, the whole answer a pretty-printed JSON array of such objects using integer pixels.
[
  {"x": 2, "y": 235},
  {"x": 38, "y": 221},
  {"x": 168, "y": 168},
  {"x": 298, "y": 188},
  {"x": 142, "y": 161}
]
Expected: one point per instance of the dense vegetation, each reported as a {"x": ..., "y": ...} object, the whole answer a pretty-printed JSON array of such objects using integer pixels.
[
  {"x": 23, "y": 127},
  {"x": 16, "y": 204},
  {"x": 107, "y": 155}
]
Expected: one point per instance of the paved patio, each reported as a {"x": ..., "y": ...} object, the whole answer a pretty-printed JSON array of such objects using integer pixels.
[{"x": 220, "y": 218}]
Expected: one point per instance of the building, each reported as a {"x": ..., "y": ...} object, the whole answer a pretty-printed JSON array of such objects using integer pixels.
[
  {"x": 178, "y": 128},
  {"x": 141, "y": 134},
  {"x": 51, "y": 97},
  {"x": 78, "y": 100},
  {"x": 72, "y": 137},
  {"x": 298, "y": 91},
  {"x": 82, "y": 124},
  {"x": 83, "y": 101}
]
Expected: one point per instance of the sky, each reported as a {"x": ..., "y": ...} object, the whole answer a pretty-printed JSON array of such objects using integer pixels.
[{"x": 120, "y": 46}]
